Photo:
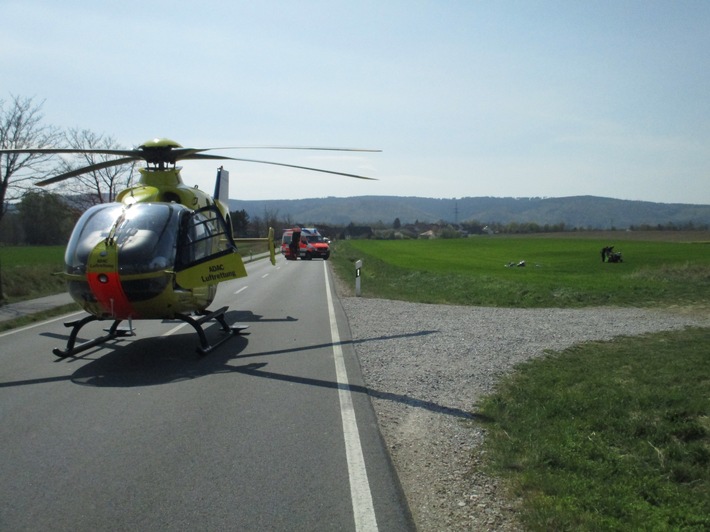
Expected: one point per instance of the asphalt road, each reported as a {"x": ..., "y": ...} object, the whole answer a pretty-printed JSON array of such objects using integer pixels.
[{"x": 272, "y": 431}]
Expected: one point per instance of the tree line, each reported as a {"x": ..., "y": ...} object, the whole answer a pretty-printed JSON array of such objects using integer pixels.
[{"x": 30, "y": 215}]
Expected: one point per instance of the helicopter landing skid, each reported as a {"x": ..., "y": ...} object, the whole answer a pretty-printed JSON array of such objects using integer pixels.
[
  {"x": 115, "y": 332},
  {"x": 205, "y": 346},
  {"x": 72, "y": 349}
]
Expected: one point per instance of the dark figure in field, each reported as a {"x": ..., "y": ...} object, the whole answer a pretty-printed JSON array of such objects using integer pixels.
[
  {"x": 607, "y": 252},
  {"x": 615, "y": 257}
]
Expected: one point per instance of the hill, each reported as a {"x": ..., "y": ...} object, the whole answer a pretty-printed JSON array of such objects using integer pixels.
[{"x": 588, "y": 212}]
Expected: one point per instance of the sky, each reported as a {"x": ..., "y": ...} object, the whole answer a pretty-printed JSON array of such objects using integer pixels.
[{"x": 464, "y": 98}]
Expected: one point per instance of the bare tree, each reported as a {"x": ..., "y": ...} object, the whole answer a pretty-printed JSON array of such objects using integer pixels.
[
  {"x": 256, "y": 226},
  {"x": 271, "y": 217},
  {"x": 97, "y": 186},
  {"x": 21, "y": 128}
]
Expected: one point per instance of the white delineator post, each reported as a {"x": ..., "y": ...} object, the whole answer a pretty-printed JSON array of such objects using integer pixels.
[{"x": 358, "y": 266}]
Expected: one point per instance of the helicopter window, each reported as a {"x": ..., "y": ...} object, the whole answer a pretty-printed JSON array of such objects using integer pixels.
[
  {"x": 204, "y": 235},
  {"x": 147, "y": 237},
  {"x": 93, "y": 227}
]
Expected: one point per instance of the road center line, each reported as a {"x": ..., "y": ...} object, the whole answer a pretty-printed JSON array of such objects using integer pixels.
[{"x": 363, "y": 509}]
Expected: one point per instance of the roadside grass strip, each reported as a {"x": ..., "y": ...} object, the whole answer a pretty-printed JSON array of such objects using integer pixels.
[{"x": 608, "y": 435}]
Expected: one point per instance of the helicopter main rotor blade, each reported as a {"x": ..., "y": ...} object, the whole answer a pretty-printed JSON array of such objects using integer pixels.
[
  {"x": 201, "y": 156},
  {"x": 164, "y": 151},
  {"x": 292, "y": 148},
  {"x": 85, "y": 169},
  {"x": 303, "y": 168},
  {"x": 180, "y": 154},
  {"x": 52, "y": 151}
]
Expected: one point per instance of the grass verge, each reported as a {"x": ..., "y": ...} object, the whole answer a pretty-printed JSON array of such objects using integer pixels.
[
  {"x": 609, "y": 435},
  {"x": 27, "y": 272},
  {"x": 38, "y": 316}
]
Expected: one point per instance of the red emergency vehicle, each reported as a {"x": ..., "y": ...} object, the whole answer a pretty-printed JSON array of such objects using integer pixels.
[{"x": 304, "y": 242}]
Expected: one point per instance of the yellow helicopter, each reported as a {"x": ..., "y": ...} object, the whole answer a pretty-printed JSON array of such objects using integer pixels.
[{"x": 160, "y": 250}]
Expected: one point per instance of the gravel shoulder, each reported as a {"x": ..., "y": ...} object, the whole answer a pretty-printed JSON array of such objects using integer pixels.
[{"x": 427, "y": 365}]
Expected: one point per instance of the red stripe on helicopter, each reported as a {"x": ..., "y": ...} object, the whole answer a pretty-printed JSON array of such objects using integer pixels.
[{"x": 106, "y": 287}]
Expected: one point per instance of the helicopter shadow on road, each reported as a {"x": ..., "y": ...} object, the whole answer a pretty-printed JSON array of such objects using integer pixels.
[
  {"x": 247, "y": 316},
  {"x": 153, "y": 360},
  {"x": 256, "y": 369}
]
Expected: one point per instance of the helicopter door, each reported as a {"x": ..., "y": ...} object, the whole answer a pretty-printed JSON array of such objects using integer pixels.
[{"x": 206, "y": 253}]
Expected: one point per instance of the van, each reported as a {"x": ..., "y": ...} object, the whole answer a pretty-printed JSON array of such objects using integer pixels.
[{"x": 311, "y": 244}]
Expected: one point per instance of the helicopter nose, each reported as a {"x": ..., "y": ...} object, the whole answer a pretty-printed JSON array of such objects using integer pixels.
[
  {"x": 105, "y": 282},
  {"x": 109, "y": 293}
]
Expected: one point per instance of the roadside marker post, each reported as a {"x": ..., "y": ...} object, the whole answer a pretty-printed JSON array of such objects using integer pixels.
[{"x": 358, "y": 267}]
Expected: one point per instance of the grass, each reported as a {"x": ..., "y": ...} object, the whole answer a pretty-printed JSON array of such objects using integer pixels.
[
  {"x": 602, "y": 436},
  {"x": 608, "y": 436},
  {"x": 27, "y": 272},
  {"x": 559, "y": 272}
]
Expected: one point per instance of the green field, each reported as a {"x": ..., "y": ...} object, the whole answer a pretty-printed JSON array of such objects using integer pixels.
[
  {"x": 602, "y": 436},
  {"x": 25, "y": 256},
  {"x": 26, "y": 271},
  {"x": 559, "y": 272}
]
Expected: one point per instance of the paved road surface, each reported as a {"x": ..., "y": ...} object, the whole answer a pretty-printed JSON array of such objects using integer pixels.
[{"x": 272, "y": 431}]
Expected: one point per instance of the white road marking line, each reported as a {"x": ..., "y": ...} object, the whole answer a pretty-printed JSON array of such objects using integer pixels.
[
  {"x": 174, "y": 329},
  {"x": 13, "y": 331},
  {"x": 265, "y": 276},
  {"x": 241, "y": 289},
  {"x": 363, "y": 509}
]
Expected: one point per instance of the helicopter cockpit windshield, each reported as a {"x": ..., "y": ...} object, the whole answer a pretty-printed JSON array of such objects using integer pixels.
[
  {"x": 149, "y": 237},
  {"x": 145, "y": 234}
]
